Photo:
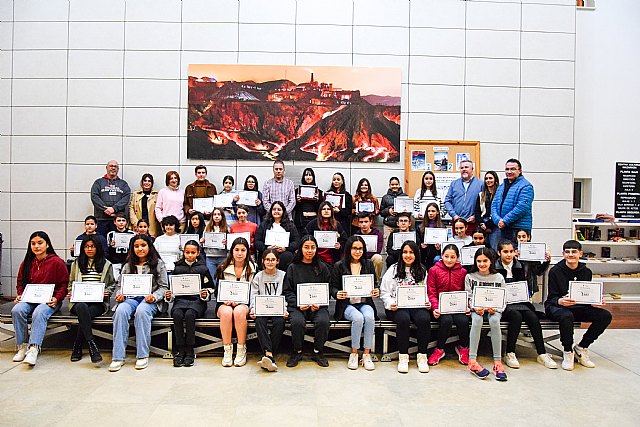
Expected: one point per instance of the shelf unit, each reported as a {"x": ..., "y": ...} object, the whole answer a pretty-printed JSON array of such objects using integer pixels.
[{"x": 624, "y": 258}]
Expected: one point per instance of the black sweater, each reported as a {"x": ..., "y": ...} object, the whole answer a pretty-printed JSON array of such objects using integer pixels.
[
  {"x": 302, "y": 273},
  {"x": 560, "y": 276},
  {"x": 198, "y": 267},
  {"x": 261, "y": 234}
]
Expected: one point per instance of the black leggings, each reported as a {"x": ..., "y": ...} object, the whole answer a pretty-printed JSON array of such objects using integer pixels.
[
  {"x": 462, "y": 325},
  {"x": 182, "y": 317},
  {"x": 402, "y": 318},
  {"x": 269, "y": 337},
  {"x": 86, "y": 312},
  {"x": 515, "y": 318}
]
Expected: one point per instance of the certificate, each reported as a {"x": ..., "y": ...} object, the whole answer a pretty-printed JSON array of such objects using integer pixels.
[
  {"x": 185, "y": 284},
  {"x": 365, "y": 207},
  {"x": 358, "y": 285},
  {"x": 269, "y": 305},
  {"x": 136, "y": 285},
  {"x": 76, "y": 247},
  {"x": 326, "y": 239},
  {"x": 467, "y": 254},
  {"x": 247, "y": 198},
  {"x": 517, "y": 292},
  {"x": 184, "y": 238},
  {"x": 411, "y": 296},
  {"x": 336, "y": 200},
  {"x": 122, "y": 239},
  {"x": 402, "y": 204},
  {"x": 87, "y": 292},
  {"x": 169, "y": 261},
  {"x": 422, "y": 208},
  {"x": 233, "y": 291},
  {"x": 532, "y": 251},
  {"x": 313, "y": 294},
  {"x": 203, "y": 204},
  {"x": 277, "y": 238},
  {"x": 489, "y": 297},
  {"x": 38, "y": 293},
  {"x": 435, "y": 235},
  {"x": 458, "y": 243},
  {"x": 214, "y": 240},
  {"x": 370, "y": 242},
  {"x": 453, "y": 302},
  {"x": 400, "y": 237},
  {"x": 231, "y": 237},
  {"x": 308, "y": 192},
  {"x": 585, "y": 292},
  {"x": 223, "y": 200}
]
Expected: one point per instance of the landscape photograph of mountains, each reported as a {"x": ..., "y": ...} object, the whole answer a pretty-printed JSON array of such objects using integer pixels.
[{"x": 258, "y": 112}]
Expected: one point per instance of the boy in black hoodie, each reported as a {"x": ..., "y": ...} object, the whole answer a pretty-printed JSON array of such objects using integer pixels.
[
  {"x": 389, "y": 216},
  {"x": 560, "y": 308}
]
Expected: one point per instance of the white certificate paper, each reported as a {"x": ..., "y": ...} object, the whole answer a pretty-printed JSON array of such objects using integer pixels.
[
  {"x": 136, "y": 285},
  {"x": 308, "y": 192},
  {"x": 366, "y": 207},
  {"x": 223, "y": 200},
  {"x": 400, "y": 237},
  {"x": 247, "y": 198},
  {"x": 122, "y": 239},
  {"x": 277, "y": 238},
  {"x": 453, "y": 302},
  {"x": 532, "y": 251},
  {"x": 214, "y": 240},
  {"x": 313, "y": 294},
  {"x": 421, "y": 211},
  {"x": 203, "y": 204},
  {"x": 231, "y": 237},
  {"x": 402, "y": 204},
  {"x": 76, "y": 247},
  {"x": 326, "y": 239},
  {"x": 411, "y": 296},
  {"x": 358, "y": 285},
  {"x": 87, "y": 292},
  {"x": 435, "y": 235},
  {"x": 38, "y": 293},
  {"x": 233, "y": 291},
  {"x": 336, "y": 200},
  {"x": 467, "y": 253},
  {"x": 270, "y": 305},
  {"x": 184, "y": 238},
  {"x": 489, "y": 297},
  {"x": 370, "y": 241},
  {"x": 517, "y": 292},
  {"x": 185, "y": 284},
  {"x": 585, "y": 292}
]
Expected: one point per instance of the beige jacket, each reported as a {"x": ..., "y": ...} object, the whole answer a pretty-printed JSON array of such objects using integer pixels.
[{"x": 135, "y": 210}]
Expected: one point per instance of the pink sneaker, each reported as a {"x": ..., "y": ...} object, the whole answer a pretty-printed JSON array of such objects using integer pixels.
[
  {"x": 436, "y": 356},
  {"x": 463, "y": 354}
]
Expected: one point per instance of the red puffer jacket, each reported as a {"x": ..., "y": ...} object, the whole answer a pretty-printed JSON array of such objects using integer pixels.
[{"x": 444, "y": 279}]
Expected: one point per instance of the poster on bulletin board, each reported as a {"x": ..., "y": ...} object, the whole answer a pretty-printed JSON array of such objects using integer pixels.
[{"x": 440, "y": 157}]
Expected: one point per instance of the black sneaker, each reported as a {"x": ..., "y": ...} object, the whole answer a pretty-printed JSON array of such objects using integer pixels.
[
  {"x": 294, "y": 359},
  {"x": 189, "y": 358},
  {"x": 178, "y": 359},
  {"x": 320, "y": 359}
]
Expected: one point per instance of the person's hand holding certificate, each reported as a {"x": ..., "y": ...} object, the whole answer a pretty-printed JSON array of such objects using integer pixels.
[
  {"x": 488, "y": 297},
  {"x": 453, "y": 302},
  {"x": 411, "y": 297},
  {"x": 435, "y": 235},
  {"x": 517, "y": 292},
  {"x": 185, "y": 284},
  {"x": 585, "y": 292},
  {"x": 76, "y": 247},
  {"x": 365, "y": 207},
  {"x": 233, "y": 292},
  {"x": 136, "y": 285},
  {"x": 400, "y": 237},
  {"x": 203, "y": 204},
  {"x": 358, "y": 285},
  {"x": 310, "y": 294},
  {"x": 223, "y": 200},
  {"x": 231, "y": 237},
  {"x": 87, "y": 292},
  {"x": 532, "y": 251},
  {"x": 326, "y": 239},
  {"x": 308, "y": 192},
  {"x": 277, "y": 238},
  {"x": 248, "y": 198},
  {"x": 184, "y": 238},
  {"x": 270, "y": 305},
  {"x": 370, "y": 242},
  {"x": 38, "y": 293},
  {"x": 336, "y": 200}
]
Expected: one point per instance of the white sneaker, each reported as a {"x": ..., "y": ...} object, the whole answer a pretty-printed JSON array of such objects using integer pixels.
[
  {"x": 423, "y": 363},
  {"x": 546, "y": 360},
  {"x": 353, "y": 361},
  {"x": 367, "y": 362},
  {"x": 142, "y": 363},
  {"x": 116, "y": 365},
  {"x": 227, "y": 358},
  {"x": 22, "y": 351},
  {"x": 567, "y": 360},
  {"x": 511, "y": 360},
  {"x": 241, "y": 355},
  {"x": 31, "y": 356},
  {"x": 582, "y": 356},
  {"x": 403, "y": 363}
]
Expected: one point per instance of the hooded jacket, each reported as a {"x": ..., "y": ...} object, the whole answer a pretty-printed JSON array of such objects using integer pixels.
[{"x": 386, "y": 204}]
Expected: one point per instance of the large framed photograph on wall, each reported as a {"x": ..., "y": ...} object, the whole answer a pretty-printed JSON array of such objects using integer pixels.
[{"x": 255, "y": 112}]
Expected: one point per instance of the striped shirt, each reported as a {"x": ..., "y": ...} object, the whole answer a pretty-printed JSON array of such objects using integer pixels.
[{"x": 283, "y": 191}]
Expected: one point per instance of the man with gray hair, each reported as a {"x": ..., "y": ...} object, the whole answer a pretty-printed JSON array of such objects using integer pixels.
[
  {"x": 460, "y": 201},
  {"x": 280, "y": 189}
]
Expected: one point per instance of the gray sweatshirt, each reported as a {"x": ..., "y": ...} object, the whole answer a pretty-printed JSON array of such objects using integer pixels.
[{"x": 266, "y": 284}]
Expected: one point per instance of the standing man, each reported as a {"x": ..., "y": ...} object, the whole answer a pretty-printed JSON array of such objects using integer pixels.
[
  {"x": 109, "y": 195},
  {"x": 279, "y": 188},
  {"x": 511, "y": 207},
  {"x": 198, "y": 189},
  {"x": 460, "y": 201}
]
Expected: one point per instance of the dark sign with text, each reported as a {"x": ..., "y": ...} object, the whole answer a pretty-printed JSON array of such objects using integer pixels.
[{"x": 627, "y": 202}]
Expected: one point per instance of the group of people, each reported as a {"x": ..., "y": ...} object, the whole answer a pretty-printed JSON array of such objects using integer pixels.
[{"x": 492, "y": 216}]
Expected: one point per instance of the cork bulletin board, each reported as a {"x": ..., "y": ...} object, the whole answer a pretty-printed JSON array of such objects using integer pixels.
[{"x": 440, "y": 157}]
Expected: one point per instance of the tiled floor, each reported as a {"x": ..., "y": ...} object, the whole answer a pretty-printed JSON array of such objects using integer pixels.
[{"x": 58, "y": 393}]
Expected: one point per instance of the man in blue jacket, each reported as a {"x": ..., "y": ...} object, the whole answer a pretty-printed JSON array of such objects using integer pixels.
[
  {"x": 460, "y": 201},
  {"x": 511, "y": 207}
]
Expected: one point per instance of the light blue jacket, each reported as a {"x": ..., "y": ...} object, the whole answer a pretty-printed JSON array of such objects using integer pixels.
[
  {"x": 516, "y": 209},
  {"x": 461, "y": 202}
]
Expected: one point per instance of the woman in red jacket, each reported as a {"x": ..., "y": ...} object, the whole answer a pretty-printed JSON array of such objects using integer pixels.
[{"x": 447, "y": 275}]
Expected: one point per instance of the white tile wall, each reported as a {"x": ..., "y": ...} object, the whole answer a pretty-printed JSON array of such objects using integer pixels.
[{"x": 498, "y": 72}]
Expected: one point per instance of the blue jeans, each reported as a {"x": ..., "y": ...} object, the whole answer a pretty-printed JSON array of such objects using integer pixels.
[
  {"x": 39, "y": 319},
  {"x": 143, "y": 313},
  {"x": 213, "y": 262},
  {"x": 361, "y": 317}
]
